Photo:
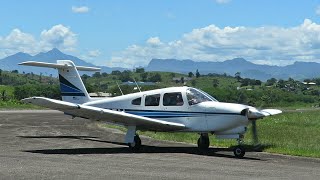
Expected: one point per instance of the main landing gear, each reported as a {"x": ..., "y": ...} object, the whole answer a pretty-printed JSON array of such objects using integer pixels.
[
  {"x": 136, "y": 144},
  {"x": 132, "y": 139},
  {"x": 203, "y": 141},
  {"x": 239, "y": 151}
]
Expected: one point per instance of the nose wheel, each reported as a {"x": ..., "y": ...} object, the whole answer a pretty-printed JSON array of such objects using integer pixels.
[
  {"x": 203, "y": 142},
  {"x": 239, "y": 151},
  {"x": 136, "y": 144}
]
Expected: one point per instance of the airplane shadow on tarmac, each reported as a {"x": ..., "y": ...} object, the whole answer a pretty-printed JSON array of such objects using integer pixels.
[{"x": 125, "y": 150}]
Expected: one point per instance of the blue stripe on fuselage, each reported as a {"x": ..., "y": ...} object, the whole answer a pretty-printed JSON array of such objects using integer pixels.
[{"x": 172, "y": 114}]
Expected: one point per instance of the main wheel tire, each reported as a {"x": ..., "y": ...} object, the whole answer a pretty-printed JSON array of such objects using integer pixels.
[
  {"x": 203, "y": 142},
  {"x": 136, "y": 145},
  {"x": 239, "y": 151}
]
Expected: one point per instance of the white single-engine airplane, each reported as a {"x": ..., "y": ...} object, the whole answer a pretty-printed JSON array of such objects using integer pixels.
[{"x": 174, "y": 109}]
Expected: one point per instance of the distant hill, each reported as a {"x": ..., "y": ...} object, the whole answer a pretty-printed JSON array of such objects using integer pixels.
[
  {"x": 298, "y": 70},
  {"x": 11, "y": 62}
]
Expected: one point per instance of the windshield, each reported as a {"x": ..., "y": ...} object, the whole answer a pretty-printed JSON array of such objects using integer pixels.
[{"x": 196, "y": 96}]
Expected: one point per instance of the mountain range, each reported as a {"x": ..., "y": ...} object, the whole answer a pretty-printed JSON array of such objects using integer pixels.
[
  {"x": 298, "y": 70},
  {"x": 11, "y": 62}
]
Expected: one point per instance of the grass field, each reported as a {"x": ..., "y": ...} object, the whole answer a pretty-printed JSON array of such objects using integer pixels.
[{"x": 291, "y": 133}]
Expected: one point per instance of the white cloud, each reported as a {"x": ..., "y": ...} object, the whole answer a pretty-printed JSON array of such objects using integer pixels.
[
  {"x": 268, "y": 45},
  {"x": 222, "y": 1},
  {"x": 57, "y": 36},
  {"x": 154, "y": 41},
  {"x": 60, "y": 37},
  {"x": 80, "y": 9},
  {"x": 17, "y": 41},
  {"x": 94, "y": 53}
]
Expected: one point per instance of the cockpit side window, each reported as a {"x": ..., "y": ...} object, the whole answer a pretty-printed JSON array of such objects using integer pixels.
[
  {"x": 152, "y": 100},
  {"x": 136, "y": 101},
  {"x": 172, "y": 99},
  {"x": 195, "y": 96}
]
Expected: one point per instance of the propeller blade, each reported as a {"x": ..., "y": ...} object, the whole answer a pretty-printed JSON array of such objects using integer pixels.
[{"x": 254, "y": 113}]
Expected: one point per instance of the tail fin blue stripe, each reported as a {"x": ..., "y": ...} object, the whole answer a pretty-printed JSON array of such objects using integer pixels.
[
  {"x": 65, "y": 88},
  {"x": 66, "y": 82},
  {"x": 68, "y": 89}
]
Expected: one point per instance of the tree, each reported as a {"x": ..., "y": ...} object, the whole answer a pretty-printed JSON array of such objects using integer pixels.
[
  {"x": 155, "y": 78},
  {"x": 182, "y": 80},
  {"x": 125, "y": 76},
  {"x": 271, "y": 81},
  {"x": 190, "y": 74},
  {"x": 84, "y": 77},
  {"x": 140, "y": 70},
  {"x": 144, "y": 76},
  {"x": 15, "y": 71},
  {"x": 96, "y": 75},
  {"x": 245, "y": 82},
  {"x": 197, "y": 74},
  {"x": 104, "y": 74},
  {"x": 281, "y": 83},
  {"x": 238, "y": 76},
  {"x": 116, "y": 72},
  {"x": 258, "y": 82}
]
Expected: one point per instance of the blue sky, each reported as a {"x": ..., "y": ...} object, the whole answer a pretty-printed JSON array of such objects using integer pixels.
[{"x": 129, "y": 33}]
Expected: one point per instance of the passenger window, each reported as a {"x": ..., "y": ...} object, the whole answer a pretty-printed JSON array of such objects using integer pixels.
[
  {"x": 172, "y": 99},
  {"x": 152, "y": 100},
  {"x": 136, "y": 101}
]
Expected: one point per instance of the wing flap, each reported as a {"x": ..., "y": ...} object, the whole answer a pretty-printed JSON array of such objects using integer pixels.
[{"x": 96, "y": 113}]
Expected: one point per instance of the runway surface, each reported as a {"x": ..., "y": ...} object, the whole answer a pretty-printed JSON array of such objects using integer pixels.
[{"x": 50, "y": 145}]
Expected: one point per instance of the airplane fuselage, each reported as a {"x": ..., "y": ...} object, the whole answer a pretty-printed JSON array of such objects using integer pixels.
[{"x": 208, "y": 116}]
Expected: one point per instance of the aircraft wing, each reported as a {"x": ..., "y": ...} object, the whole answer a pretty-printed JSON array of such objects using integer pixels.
[
  {"x": 95, "y": 113},
  {"x": 254, "y": 113}
]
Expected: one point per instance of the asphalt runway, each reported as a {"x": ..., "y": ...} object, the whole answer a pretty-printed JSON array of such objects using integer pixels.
[{"x": 50, "y": 145}]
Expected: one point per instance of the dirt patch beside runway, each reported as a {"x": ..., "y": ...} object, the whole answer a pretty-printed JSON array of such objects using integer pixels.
[{"x": 50, "y": 145}]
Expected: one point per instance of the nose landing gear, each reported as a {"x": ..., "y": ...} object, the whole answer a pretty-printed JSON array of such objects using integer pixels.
[{"x": 239, "y": 151}]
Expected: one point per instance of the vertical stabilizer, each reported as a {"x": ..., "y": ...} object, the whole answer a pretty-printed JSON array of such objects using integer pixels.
[{"x": 71, "y": 85}]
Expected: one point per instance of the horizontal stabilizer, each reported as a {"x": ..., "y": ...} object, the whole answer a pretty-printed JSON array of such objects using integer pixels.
[
  {"x": 57, "y": 66},
  {"x": 107, "y": 115}
]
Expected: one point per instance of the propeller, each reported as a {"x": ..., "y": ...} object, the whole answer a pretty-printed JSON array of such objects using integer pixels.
[{"x": 254, "y": 114}]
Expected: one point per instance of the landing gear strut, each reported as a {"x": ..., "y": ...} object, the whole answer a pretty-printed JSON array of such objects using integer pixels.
[
  {"x": 203, "y": 141},
  {"x": 239, "y": 150},
  {"x": 132, "y": 139},
  {"x": 136, "y": 145}
]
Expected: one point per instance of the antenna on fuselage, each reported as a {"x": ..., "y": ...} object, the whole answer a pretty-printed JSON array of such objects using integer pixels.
[
  {"x": 119, "y": 88},
  {"x": 136, "y": 84}
]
